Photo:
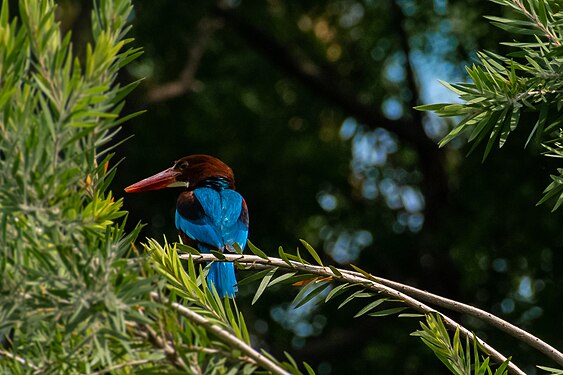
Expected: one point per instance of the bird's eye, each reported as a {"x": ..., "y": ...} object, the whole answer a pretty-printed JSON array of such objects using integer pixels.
[{"x": 183, "y": 165}]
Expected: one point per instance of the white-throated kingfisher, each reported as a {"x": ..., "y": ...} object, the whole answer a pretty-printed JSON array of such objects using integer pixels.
[{"x": 210, "y": 214}]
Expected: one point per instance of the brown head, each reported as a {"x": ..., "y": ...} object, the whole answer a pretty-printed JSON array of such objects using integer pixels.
[{"x": 188, "y": 172}]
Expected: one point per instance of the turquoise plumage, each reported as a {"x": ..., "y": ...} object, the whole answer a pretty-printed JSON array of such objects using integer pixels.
[{"x": 210, "y": 214}]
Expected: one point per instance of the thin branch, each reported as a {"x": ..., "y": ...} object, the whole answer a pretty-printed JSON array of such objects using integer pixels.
[
  {"x": 122, "y": 365},
  {"x": 534, "y": 18},
  {"x": 152, "y": 336},
  {"x": 19, "y": 359},
  {"x": 185, "y": 81},
  {"x": 225, "y": 336},
  {"x": 485, "y": 316},
  {"x": 256, "y": 262},
  {"x": 449, "y": 304}
]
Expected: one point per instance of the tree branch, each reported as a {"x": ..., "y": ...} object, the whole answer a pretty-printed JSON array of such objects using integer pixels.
[
  {"x": 123, "y": 365},
  {"x": 224, "y": 336},
  {"x": 485, "y": 316},
  {"x": 19, "y": 359},
  {"x": 185, "y": 81},
  {"x": 150, "y": 334},
  {"x": 404, "y": 293},
  {"x": 551, "y": 36}
]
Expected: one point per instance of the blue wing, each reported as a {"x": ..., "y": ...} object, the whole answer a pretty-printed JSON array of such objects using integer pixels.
[{"x": 213, "y": 218}]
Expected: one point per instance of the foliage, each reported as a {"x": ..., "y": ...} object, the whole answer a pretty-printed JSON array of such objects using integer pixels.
[
  {"x": 317, "y": 285},
  {"x": 503, "y": 87},
  {"x": 74, "y": 298},
  {"x": 452, "y": 353},
  {"x": 192, "y": 290},
  {"x": 67, "y": 290},
  {"x": 337, "y": 169}
]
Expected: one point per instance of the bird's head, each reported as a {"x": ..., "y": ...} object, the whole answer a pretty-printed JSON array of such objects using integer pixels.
[{"x": 187, "y": 172}]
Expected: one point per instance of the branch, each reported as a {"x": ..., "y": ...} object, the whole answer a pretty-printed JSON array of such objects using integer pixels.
[
  {"x": 224, "y": 336},
  {"x": 149, "y": 333},
  {"x": 485, "y": 316},
  {"x": 19, "y": 359},
  {"x": 185, "y": 81},
  {"x": 534, "y": 18},
  {"x": 122, "y": 365},
  {"x": 379, "y": 285}
]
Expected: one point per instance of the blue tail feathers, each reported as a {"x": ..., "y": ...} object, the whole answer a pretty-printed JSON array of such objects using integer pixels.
[{"x": 222, "y": 276}]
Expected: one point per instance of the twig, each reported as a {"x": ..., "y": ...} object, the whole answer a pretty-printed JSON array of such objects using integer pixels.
[
  {"x": 19, "y": 359},
  {"x": 224, "y": 336},
  {"x": 463, "y": 308},
  {"x": 122, "y": 365},
  {"x": 544, "y": 28},
  {"x": 150, "y": 334},
  {"x": 257, "y": 262},
  {"x": 185, "y": 81}
]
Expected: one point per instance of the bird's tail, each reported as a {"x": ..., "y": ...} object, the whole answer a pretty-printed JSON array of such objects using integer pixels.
[{"x": 222, "y": 276}]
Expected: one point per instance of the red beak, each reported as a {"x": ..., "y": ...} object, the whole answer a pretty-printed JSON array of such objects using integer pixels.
[{"x": 158, "y": 181}]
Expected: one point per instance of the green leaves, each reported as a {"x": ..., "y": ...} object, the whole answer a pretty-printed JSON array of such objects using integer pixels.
[
  {"x": 312, "y": 252},
  {"x": 188, "y": 283},
  {"x": 264, "y": 284},
  {"x": 63, "y": 239},
  {"x": 460, "y": 358},
  {"x": 502, "y": 87}
]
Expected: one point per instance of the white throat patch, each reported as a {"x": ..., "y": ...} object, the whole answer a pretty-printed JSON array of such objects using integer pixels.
[{"x": 179, "y": 184}]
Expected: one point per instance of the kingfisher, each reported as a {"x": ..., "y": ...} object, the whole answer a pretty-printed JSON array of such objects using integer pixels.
[{"x": 210, "y": 214}]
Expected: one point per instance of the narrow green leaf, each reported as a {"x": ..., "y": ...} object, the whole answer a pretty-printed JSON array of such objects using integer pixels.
[
  {"x": 337, "y": 291},
  {"x": 502, "y": 369},
  {"x": 290, "y": 359},
  {"x": 367, "y": 275},
  {"x": 411, "y": 315},
  {"x": 312, "y": 252},
  {"x": 264, "y": 284},
  {"x": 388, "y": 311},
  {"x": 218, "y": 254},
  {"x": 256, "y": 251},
  {"x": 308, "y": 292},
  {"x": 253, "y": 277},
  {"x": 282, "y": 278},
  {"x": 335, "y": 271},
  {"x": 187, "y": 249},
  {"x": 431, "y": 107},
  {"x": 370, "y": 307},
  {"x": 284, "y": 257},
  {"x": 538, "y": 129},
  {"x": 308, "y": 368},
  {"x": 357, "y": 294},
  {"x": 237, "y": 247}
]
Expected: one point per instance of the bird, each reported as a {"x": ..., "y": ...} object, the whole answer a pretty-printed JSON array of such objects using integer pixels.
[{"x": 210, "y": 213}]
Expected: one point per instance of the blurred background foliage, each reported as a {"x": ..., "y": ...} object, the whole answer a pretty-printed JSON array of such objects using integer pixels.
[{"x": 310, "y": 103}]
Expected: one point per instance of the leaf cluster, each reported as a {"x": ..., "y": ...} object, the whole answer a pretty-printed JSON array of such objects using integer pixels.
[
  {"x": 187, "y": 284},
  {"x": 502, "y": 88},
  {"x": 460, "y": 358},
  {"x": 68, "y": 291}
]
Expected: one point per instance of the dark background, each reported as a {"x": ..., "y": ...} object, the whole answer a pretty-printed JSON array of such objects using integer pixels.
[{"x": 310, "y": 103}]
